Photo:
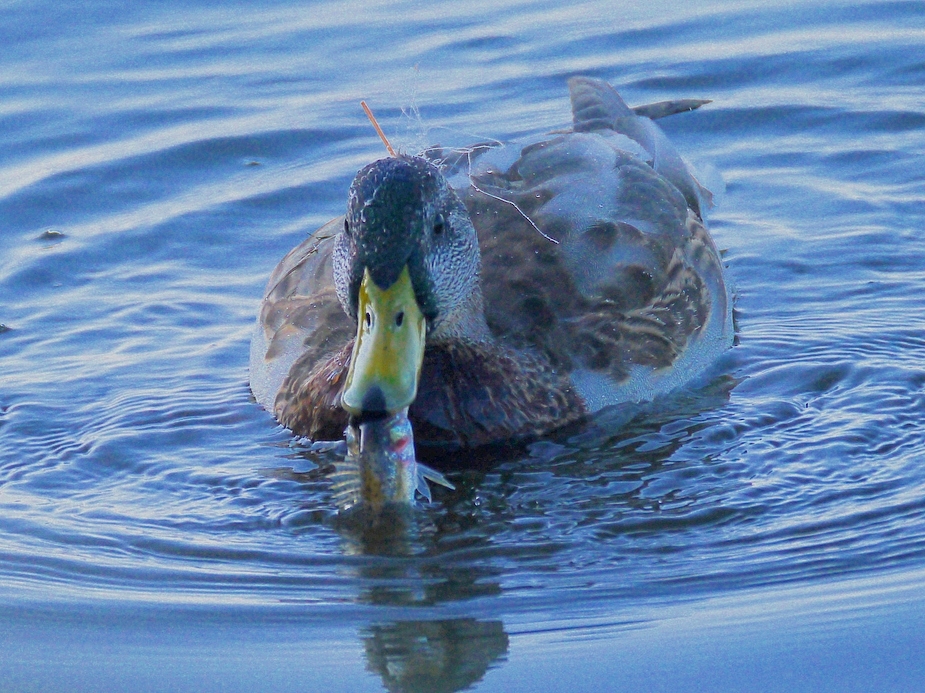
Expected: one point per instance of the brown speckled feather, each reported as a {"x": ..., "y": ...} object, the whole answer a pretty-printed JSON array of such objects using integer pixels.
[
  {"x": 470, "y": 394},
  {"x": 638, "y": 314}
]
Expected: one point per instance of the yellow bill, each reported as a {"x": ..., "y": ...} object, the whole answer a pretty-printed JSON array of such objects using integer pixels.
[{"x": 389, "y": 348}]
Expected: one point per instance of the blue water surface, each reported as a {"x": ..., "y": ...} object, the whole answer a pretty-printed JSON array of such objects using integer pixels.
[{"x": 762, "y": 530}]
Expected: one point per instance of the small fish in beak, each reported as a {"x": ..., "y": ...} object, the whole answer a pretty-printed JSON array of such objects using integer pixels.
[{"x": 380, "y": 468}]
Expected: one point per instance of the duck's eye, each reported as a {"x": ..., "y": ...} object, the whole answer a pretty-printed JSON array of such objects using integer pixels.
[
  {"x": 368, "y": 319},
  {"x": 346, "y": 226},
  {"x": 400, "y": 318},
  {"x": 439, "y": 224}
]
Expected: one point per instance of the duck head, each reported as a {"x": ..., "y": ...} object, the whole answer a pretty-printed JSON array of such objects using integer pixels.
[{"x": 405, "y": 269}]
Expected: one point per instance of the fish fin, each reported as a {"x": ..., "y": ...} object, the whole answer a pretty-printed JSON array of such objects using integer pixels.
[
  {"x": 345, "y": 481},
  {"x": 426, "y": 474},
  {"x": 345, "y": 484},
  {"x": 423, "y": 488}
]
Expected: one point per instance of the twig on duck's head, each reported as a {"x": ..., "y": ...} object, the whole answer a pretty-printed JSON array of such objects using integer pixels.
[{"x": 372, "y": 119}]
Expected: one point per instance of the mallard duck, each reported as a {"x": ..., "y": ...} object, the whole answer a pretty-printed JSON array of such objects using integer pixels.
[{"x": 500, "y": 292}]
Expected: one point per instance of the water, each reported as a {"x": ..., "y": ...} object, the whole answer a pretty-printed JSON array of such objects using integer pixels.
[{"x": 762, "y": 530}]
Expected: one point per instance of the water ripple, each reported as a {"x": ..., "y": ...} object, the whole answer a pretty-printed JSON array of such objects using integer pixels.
[{"x": 147, "y": 193}]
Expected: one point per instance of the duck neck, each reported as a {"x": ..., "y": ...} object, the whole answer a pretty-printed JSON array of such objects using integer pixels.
[{"x": 466, "y": 322}]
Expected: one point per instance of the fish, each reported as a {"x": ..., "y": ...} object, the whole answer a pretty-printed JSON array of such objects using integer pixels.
[{"x": 380, "y": 468}]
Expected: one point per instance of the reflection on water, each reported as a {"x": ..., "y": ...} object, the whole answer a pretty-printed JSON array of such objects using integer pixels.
[
  {"x": 404, "y": 560},
  {"x": 420, "y": 656},
  {"x": 434, "y": 656}
]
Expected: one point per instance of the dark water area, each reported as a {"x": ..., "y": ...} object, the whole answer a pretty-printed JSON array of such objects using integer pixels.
[{"x": 761, "y": 530}]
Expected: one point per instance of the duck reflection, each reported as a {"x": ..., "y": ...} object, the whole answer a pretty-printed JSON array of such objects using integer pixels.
[
  {"x": 430, "y": 656},
  {"x": 434, "y": 656},
  {"x": 401, "y": 562}
]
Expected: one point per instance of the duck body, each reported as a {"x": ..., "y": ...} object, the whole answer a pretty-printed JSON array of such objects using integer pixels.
[{"x": 554, "y": 278}]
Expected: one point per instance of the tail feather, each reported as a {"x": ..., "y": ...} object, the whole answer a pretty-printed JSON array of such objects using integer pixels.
[
  {"x": 663, "y": 109},
  {"x": 595, "y": 104}
]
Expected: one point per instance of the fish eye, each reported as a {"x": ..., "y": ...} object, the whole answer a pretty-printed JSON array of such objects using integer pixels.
[
  {"x": 346, "y": 225},
  {"x": 439, "y": 224},
  {"x": 400, "y": 318},
  {"x": 368, "y": 320}
]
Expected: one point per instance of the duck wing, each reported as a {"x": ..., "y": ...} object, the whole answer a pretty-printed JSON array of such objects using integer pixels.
[
  {"x": 595, "y": 255},
  {"x": 301, "y": 325}
]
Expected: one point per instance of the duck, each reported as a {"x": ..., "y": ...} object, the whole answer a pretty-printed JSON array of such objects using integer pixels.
[{"x": 500, "y": 292}]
